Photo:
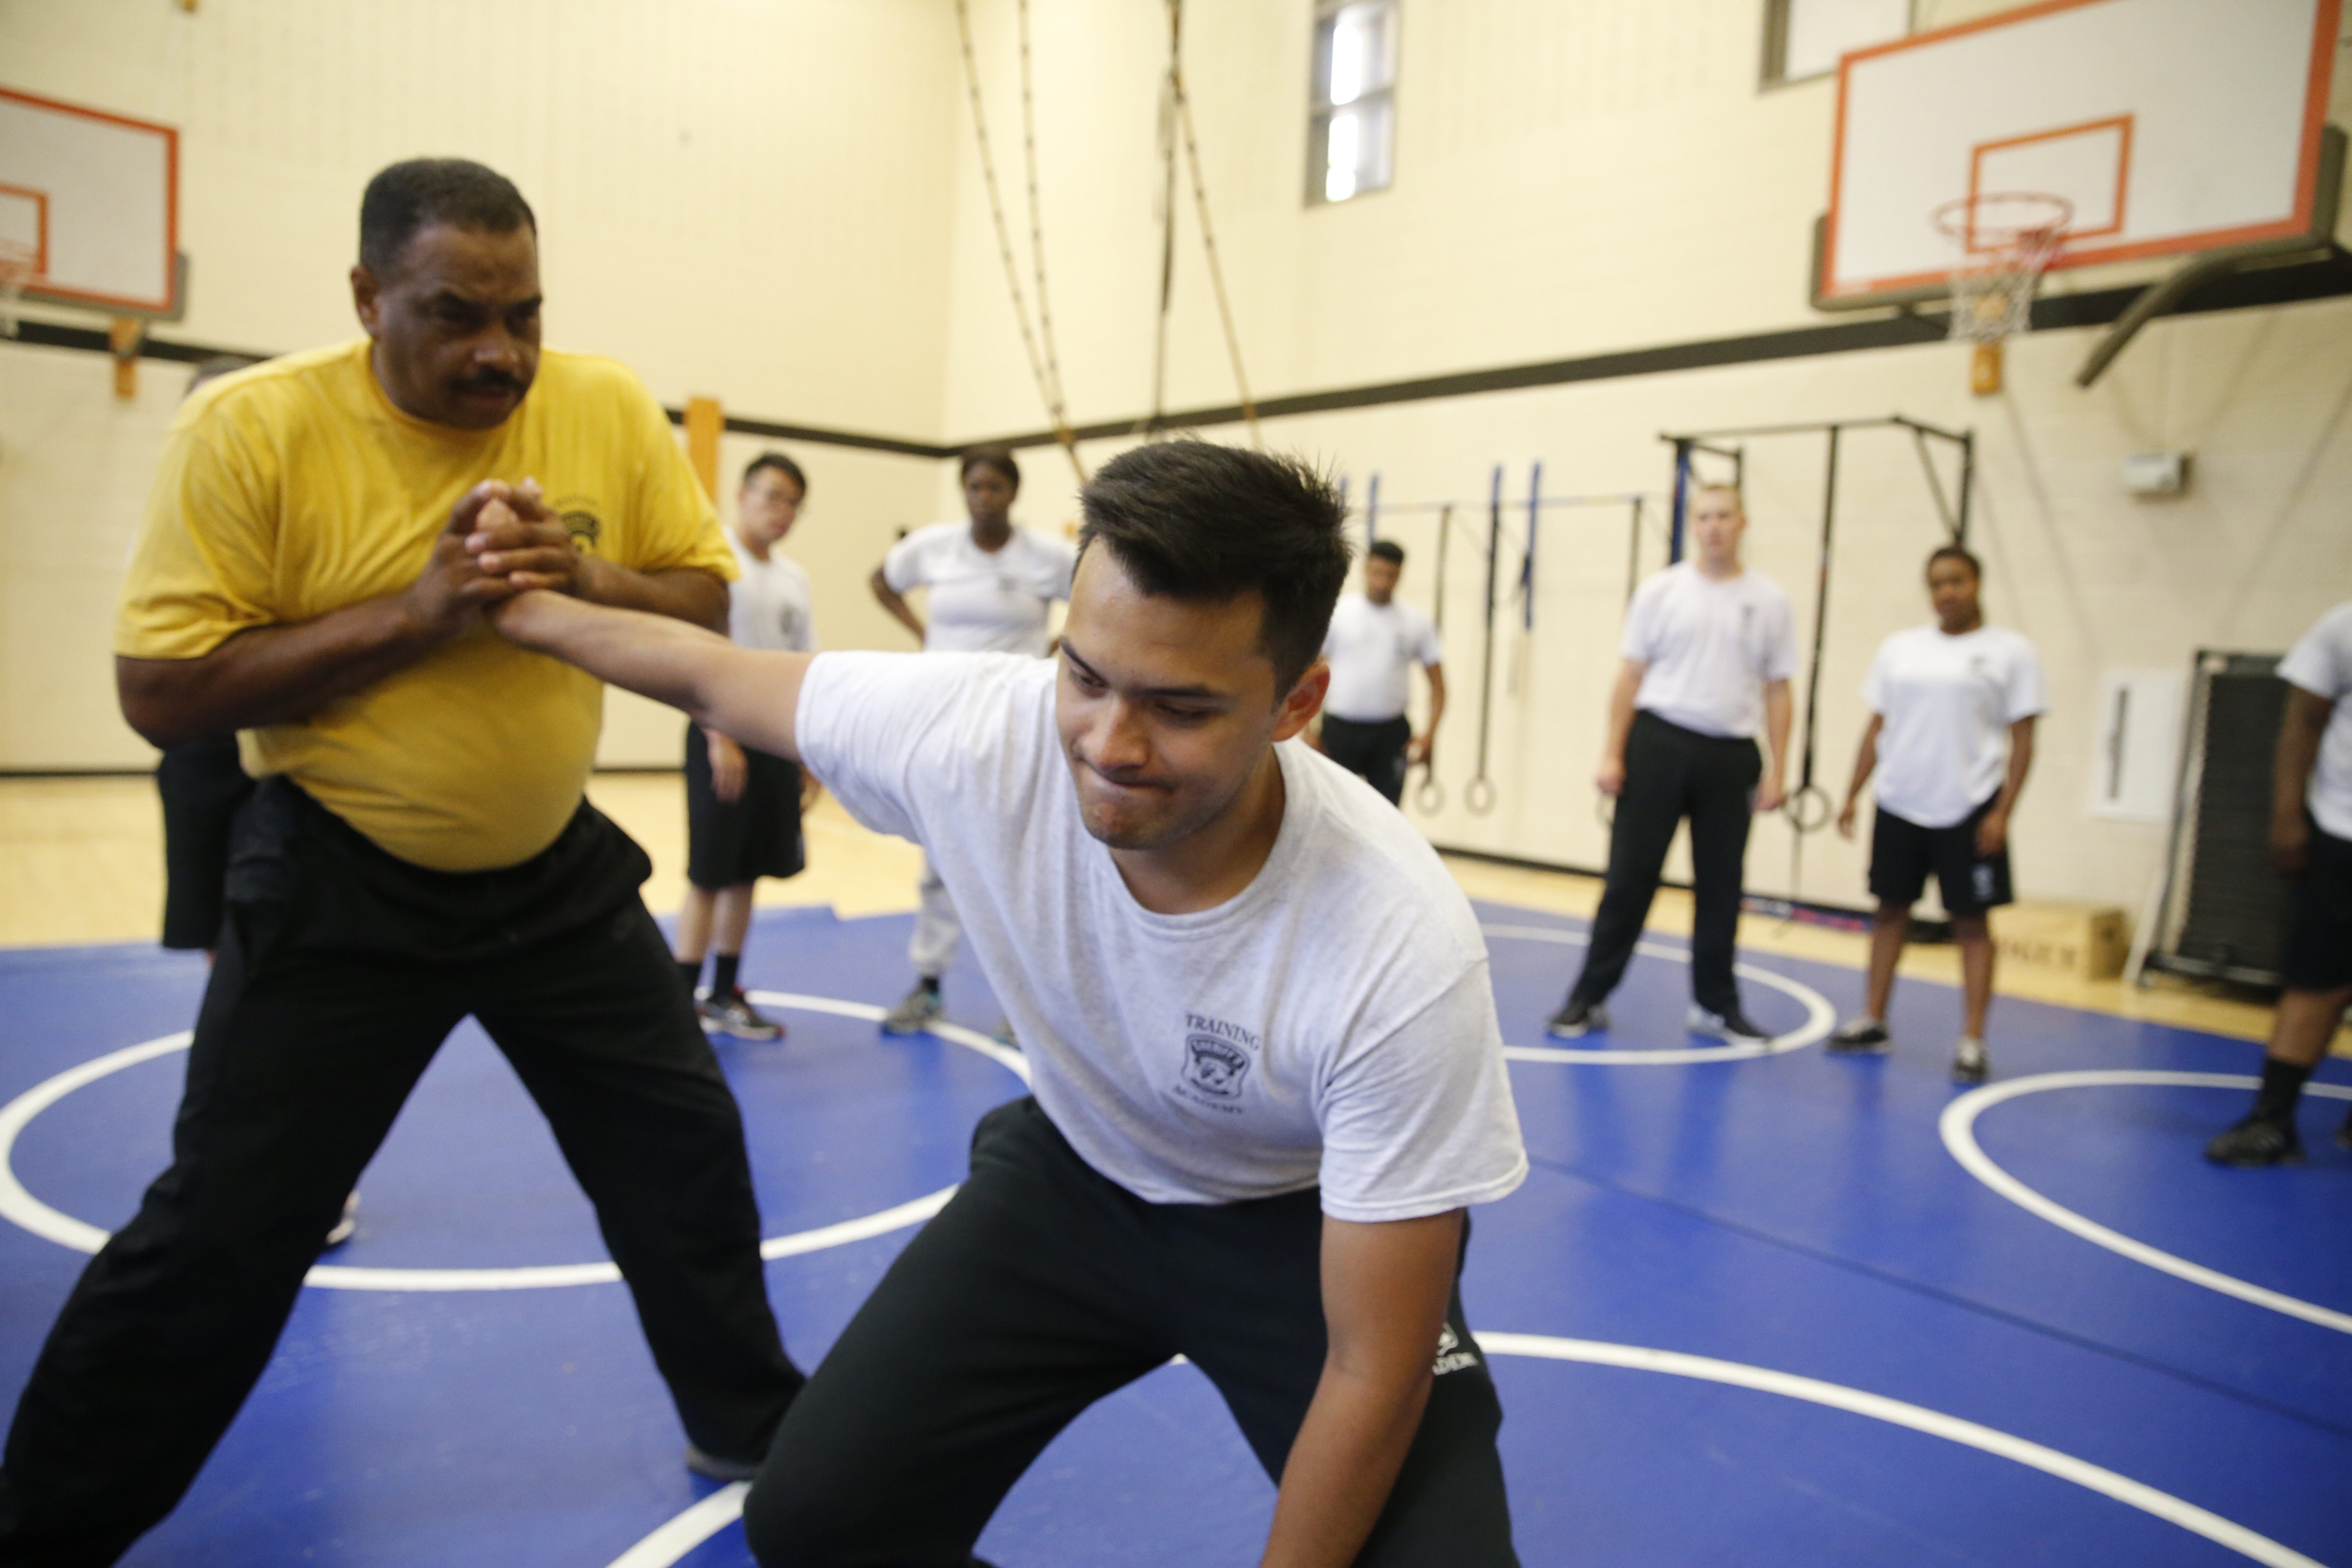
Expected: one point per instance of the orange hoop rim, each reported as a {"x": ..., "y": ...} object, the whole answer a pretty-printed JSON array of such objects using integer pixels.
[{"x": 1957, "y": 220}]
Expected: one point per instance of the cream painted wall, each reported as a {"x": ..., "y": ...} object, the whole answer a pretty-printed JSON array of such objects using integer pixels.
[
  {"x": 1578, "y": 179},
  {"x": 1570, "y": 179},
  {"x": 746, "y": 200}
]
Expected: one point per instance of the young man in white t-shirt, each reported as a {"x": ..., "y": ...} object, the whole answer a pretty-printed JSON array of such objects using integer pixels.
[
  {"x": 1372, "y": 646},
  {"x": 1708, "y": 648},
  {"x": 1267, "y": 1076},
  {"x": 1952, "y": 710},
  {"x": 991, "y": 587},
  {"x": 2311, "y": 841},
  {"x": 743, "y": 806}
]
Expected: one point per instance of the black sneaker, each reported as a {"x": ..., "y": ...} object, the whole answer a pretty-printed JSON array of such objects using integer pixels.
[
  {"x": 2257, "y": 1142},
  {"x": 731, "y": 1013},
  {"x": 1971, "y": 1063},
  {"x": 1577, "y": 1019},
  {"x": 718, "y": 1469},
  {"x": 1860, "y": 1037},
  {"x": 1734, "y": 1027}
]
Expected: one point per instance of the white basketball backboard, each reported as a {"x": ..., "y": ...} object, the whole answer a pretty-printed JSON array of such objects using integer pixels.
[
  {"x": 97, "y": 195},
  {"x": 2172, "y": 126}
]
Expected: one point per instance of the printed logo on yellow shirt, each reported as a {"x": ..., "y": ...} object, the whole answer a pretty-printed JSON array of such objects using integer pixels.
[{"x": 580, "y": 519}]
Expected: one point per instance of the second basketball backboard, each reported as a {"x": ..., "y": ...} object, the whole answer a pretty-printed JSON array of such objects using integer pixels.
[
  {"x": 2168, "y": 126},
  {"x": 95, "y": 197}
]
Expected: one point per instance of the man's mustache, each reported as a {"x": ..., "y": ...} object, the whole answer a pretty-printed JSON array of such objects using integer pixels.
[{"x": 492, "y": 381}]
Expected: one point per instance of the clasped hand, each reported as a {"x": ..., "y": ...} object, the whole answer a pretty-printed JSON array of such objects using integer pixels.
[{"x": 502, "y": 539}]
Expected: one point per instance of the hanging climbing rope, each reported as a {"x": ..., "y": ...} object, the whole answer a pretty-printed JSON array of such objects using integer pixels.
[
  {"x": 1044, "y": 365},
  {"x": 1201, "y": 201}
]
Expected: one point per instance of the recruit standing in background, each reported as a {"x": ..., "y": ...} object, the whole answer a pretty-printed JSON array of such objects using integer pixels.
[
  {"x": 323, "y": 536},
  {"x": 201, "y": 783},
  {"x": 1268, "y": 1078},
  {"x": 991, "y": 587},
  {"x": 1952, "y": 709},
  {"x": 743, "y": 806},
  {"x": 1709, "y": 647},
  {"x": 2311, "y": 841},
  {"x": 1373, "y": 644}
]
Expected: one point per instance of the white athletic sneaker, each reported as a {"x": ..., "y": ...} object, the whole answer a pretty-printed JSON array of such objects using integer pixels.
[
  {"x": 343, "y": 1229},
  {"x": 1734, "y": 1028},
  {"x": 1971, "y": 1062}
]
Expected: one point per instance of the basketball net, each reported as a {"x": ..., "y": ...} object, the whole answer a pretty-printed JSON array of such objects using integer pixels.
[
  {"x": 18, "y": 262},
  {"x": 2007, "y": 241}
]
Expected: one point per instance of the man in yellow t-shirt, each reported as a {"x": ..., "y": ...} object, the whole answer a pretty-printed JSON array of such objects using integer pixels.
[{"x": 324, "y": 534}]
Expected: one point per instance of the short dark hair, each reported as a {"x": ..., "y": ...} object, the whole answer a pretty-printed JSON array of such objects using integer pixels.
[
  {"x": 1959, "y": 552},
  {"x": 1387, "y": 550},
  {"x": 997, "y": 458},
  {"x": 421, "y": 192},
  {"x": 1189, "y": 519},
  {"x": 783, "y": 465}
]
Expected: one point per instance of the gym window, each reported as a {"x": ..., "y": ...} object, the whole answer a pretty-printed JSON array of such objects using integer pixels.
[
  {"x": 1803, "y": 38},
  {"x": 1351, "y": 143}
]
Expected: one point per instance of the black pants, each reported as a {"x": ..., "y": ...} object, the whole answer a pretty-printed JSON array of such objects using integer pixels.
[
  {"x": 756, "y": 835},
  {"x": 1374, "y": 752},
  {"x": 201, "y": 784},
  {"x": 1672, "y": 773},
  {"x": 1040, "y": 1289},
  {"x": 339, "y": 972}
]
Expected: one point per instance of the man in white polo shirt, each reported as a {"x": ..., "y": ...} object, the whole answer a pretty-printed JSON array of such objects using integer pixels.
[
  {"x": 1709, "y": 647},
  {"x": 1268, "y": 1074},
  {"x": 1373, "y": 644},
  {"x": 2311, "y": 841}
]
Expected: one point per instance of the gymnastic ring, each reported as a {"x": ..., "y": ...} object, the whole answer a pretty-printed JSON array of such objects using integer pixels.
[
  {"x": 1801, "y": 815},
  {"x": 1478, "y": 795},
  {"x": 1430, "y": 796}
]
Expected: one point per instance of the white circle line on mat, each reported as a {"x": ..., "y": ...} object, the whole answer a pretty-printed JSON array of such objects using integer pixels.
[
  {"x": 1819, "y": 1016},
  {"x": 21, "y": 1207},
  {"x": 686, "y": 1530},
  {"x": 1958, "y": 1127}
]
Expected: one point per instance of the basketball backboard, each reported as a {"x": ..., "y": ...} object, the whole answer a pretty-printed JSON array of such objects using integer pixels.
[
  {"x": 2169, "y": 126},
  {"x": 96, "y": 196}
]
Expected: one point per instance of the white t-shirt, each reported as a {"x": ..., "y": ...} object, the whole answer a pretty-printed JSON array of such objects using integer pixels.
[
  {"x": 1331, "y": 1024},
  {"x": 1710, "y": 647},
  {"x": 2321, "y": 664},
  {"x": 1373, "y": 650},
  {"x": 1945, "y": 704},
  {"x": 770, "y": 605},
  {"x": 983, "y": 602}
]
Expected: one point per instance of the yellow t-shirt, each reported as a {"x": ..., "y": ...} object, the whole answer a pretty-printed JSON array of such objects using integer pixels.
[{"x": 296, "y": 488}]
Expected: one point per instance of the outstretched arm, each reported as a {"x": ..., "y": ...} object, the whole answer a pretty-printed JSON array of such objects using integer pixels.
[
  {"x": 1385, "y": 1290},
  {"x": 739, "y": 692}
]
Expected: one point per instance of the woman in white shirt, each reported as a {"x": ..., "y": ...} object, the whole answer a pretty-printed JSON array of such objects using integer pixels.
[
  {"x": 990, "y": 588},
  {"x": 1952, "y": 740}
]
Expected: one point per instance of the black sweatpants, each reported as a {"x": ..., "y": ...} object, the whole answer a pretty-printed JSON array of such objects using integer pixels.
[
  {"x": 201, "y": 785},
  {"x": 1672, "y": 773},
  {"x": 1373, "y": 752},
  {"x": 1040, "y": 1288},
  {"x": 341, "y": 969}
]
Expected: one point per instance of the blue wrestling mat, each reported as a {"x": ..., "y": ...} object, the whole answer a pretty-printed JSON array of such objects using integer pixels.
[{"x": 1753, "y": 1308}]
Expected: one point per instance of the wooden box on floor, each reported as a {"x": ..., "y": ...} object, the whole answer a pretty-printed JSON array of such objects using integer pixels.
[{"x": 2088, "y": 942}]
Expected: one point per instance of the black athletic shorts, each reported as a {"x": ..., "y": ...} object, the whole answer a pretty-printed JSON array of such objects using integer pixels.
[
  {"x": 1903, "y": 853},
  {"x": 202, "y": 785},
  {"x": 756, "y": 835},
  {"x": 2319, "y": 918}
]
